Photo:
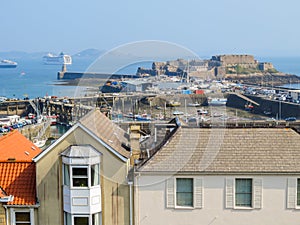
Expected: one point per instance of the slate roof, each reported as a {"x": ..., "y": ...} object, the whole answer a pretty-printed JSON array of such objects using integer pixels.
[
  {"x": 81, "y": 151},
  {"x": 237, "y": 150},
  {"x": 18, "y": 179},
  {"x": 107, "y": 131},
  {"x": 16, "y": 147}
]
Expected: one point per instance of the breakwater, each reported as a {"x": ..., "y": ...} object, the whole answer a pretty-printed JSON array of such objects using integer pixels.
[
  {"x": 68, "y": 75},
  {"x": 272, "y": 108}
]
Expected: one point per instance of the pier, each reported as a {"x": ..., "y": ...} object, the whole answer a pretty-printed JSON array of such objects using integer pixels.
[{"x": 73, "y": 108}]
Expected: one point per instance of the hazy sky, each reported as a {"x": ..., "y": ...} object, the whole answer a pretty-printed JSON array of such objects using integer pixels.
[{"x": 259, "y": 27}]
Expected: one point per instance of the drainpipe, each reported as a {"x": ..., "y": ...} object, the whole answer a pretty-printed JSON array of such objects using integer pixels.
[{"x": 130, "y": 204}]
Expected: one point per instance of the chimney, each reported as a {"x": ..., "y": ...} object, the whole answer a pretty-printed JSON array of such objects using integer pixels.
[{"x": 135, "y": 142}]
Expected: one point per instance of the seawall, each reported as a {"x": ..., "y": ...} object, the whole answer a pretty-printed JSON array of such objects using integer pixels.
[
  {"x": 82, "y": 75},
  {"x": 267, "y": 107}
]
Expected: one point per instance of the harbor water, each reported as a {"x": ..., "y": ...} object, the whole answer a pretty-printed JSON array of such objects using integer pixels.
[{"x": 31, "y": 78}]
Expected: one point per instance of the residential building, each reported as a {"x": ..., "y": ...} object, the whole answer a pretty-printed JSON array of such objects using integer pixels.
[
  {"x": 221, "y": 176},
  {"x": 18, "y": 203},
  {"x": 82, "y": 177}
]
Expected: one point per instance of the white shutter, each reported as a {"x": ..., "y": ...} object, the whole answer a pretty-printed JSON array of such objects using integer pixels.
[
  {"x": 229, "y": 201},
  {"x": 198, "y": 189},
  {"x": 170, "y": 193},
  {"x": 257, "y": 186},
  {"x": 291, "y": 195}
]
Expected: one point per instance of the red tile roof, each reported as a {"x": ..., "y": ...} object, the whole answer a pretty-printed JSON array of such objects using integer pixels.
[
  {"x": 17, "y": 148},
  {"x": 18, "y": 179}
]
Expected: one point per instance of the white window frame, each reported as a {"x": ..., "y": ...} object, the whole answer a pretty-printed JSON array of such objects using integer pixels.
[
  {"x": 252, "y": 193},
  {"x": 13, "y": 215},
  {"x": 89, "y": 216},
  {"x": 257, "y": 193},
  {"x": 297, "y": 206},
  {"x": 175, "y": 193},
  {"x": 82, "y": 215},
  {"x": 171, "y": 193},
  {"x": 88, "y": 176},
  {"x": 292, "y": 184}
]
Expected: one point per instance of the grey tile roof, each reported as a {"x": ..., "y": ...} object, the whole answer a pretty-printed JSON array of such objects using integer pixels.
[
  {"x": 80, "y": 151},
  {"x": 238, "y": 150},
  {"x": 107, "y": 131}
]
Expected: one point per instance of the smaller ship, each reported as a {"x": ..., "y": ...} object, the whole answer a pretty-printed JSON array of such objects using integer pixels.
[
  {"x": 8, "y": 64},
  {"x": 173, "y": 104},
  {"x": 217, "y": 101},
  {"x": 61, "y": 59}
]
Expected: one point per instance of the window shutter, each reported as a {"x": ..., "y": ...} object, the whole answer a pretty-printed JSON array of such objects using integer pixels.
[
  {"x": 198, "y": 195},
  {"x": 257, "y": 186},
  {"x": 229, "y": 193},
  {"x": 170, "y": 193},
  {"x": 291, "y": 195}
]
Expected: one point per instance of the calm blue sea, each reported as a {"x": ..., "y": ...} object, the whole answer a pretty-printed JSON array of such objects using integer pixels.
[{"x": 34, "y": 79}]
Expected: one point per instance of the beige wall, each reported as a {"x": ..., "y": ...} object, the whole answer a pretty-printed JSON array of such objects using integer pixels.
[
  {"x": 151, "y": 208},
  {"x": 115, "y": 197},
  {"x": 2, "y": 215}
]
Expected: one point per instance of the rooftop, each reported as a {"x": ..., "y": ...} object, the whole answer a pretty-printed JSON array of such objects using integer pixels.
[
  {"x": 228, "y": 150},
  {"x": 18, "y": 179},
  {"x": 107, "y": 131},
  {"x": 17, "y": 148}
]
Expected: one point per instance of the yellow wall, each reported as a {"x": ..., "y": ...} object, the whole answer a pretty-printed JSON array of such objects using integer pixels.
[
  {"x": 115, "y": 197},
  {"x": 2, "y": 215}
]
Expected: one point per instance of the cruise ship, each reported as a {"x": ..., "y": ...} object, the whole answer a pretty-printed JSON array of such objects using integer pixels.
[
  {"x": 8, "y": 64},
  {"x": 51, "y": 59}
]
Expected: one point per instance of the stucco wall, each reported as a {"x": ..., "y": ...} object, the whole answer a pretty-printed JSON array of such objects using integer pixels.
[{"x": 151, "y": 208}]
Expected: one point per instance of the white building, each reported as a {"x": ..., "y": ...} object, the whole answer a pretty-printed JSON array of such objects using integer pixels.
[{"x": 221, "y": 176}]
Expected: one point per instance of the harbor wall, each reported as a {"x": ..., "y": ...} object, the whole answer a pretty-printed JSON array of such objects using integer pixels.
[
  {"x": 81, "y": 75},
  {"x": 266, "y": 107}
]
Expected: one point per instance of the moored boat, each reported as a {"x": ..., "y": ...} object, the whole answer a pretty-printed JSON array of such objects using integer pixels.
[
  {"x": 217, "y": 101},
  {"x": 196, "y": 104},
  {"x": 39, "y": 143},
  {"x": 8, "y": 64},
  {"x": 173, "y": 104}
]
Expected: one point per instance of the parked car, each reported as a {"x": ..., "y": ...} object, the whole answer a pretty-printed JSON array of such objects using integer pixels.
[{"x": 290, "y": 118}]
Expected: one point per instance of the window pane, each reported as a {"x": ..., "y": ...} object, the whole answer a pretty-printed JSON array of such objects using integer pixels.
[
  {"x": 97, "y": 219},
  {"x": 68, "y": 220},
  {"x": 95, "y": 175},
  {"x": 81, "y": 221},
  {"x": 184, "y": 192},
  {"x": 66, "y": 174},
  {"x": 298, "y": 191},
  {"x": 80, "y": 182},
  {"x": 243, "y": 192},
  {"x": 80, "y": 172},
  {"x": 22, "y": 216}
]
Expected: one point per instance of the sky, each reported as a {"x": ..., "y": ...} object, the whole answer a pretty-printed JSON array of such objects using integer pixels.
[{"x": 258, "y": 27}]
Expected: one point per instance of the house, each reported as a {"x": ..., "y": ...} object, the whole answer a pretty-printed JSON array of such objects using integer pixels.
[
  {"x": 221, "y": 176},
  {"x": 18, "y": 203},
  {"x": 82, "y": 177}
]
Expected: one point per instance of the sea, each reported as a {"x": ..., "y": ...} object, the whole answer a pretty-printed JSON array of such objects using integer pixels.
[{"x": 32, "y": 79}]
